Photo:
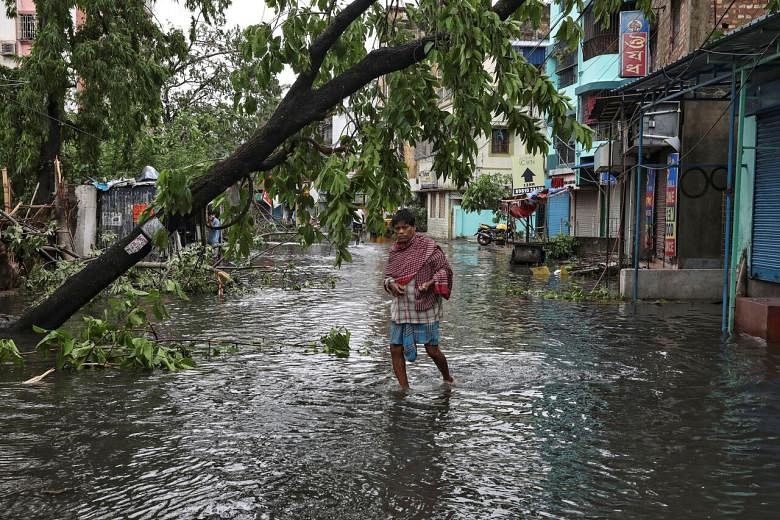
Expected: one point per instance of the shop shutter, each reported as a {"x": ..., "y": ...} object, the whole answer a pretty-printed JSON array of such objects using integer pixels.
[
  {"x": 586, "y": 220},
  {"x": 765, "y": 258},
  {"x": 558, "y": 215}
]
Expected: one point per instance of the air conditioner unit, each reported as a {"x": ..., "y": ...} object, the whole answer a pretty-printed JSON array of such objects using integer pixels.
[
  {"x": 660, "y": 126},
  {"x": 8, "y": 48},
  {"x": 602, "y": 162}
]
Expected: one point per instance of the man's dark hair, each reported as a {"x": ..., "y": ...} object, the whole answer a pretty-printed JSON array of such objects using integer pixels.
[{"x": 403, "y": 215}]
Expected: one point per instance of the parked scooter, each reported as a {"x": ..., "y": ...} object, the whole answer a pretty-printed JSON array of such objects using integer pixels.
[{"x": 487, "y": 234}]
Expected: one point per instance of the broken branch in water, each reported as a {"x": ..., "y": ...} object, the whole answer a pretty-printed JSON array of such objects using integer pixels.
[{"x": 37, "y": 379}]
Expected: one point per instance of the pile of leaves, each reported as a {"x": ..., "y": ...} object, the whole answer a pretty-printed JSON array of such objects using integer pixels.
[{"x": 572, "y": 294}]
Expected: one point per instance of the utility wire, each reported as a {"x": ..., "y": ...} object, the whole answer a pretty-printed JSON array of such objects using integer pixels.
[
  {"x": 700, "y": 47},
  {"x": 60, "y": 121},
  {"x": 728, "y": 106}
]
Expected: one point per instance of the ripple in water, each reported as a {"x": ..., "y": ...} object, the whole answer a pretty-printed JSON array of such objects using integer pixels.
[{"x": 560, "y": 410}]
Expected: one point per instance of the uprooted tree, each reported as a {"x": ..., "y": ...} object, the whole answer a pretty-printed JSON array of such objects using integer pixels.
[{"x": 392, "y": 66}]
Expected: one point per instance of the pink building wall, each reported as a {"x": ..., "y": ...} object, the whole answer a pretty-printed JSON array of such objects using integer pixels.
[{"x": 23, "y": 7}]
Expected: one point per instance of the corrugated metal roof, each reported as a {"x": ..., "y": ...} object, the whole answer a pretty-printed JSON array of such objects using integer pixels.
[{"x": 758, "y": 38}]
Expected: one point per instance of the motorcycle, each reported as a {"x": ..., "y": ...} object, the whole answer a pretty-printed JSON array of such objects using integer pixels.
[{"x": 487, "y": 234}]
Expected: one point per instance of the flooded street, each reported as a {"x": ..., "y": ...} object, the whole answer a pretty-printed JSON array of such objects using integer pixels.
[{"x": 560, "y": 410}]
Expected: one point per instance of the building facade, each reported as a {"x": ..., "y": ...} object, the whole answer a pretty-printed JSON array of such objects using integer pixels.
[
  {"x": 584, "y": 73},
  {"x": 675, "y": 149},
  {"x": 501, "y": 153},
  {"x": 17, "y": 34}
]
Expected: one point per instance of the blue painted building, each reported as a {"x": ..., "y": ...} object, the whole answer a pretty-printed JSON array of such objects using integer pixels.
[{"x": 593, "y": 209}]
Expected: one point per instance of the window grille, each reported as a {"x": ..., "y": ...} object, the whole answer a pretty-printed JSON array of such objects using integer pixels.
[{"x": 27, "y": 27}]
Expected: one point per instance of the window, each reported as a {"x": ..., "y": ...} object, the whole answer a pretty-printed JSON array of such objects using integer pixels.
[
  {"x": 442, "y": 203},
  {"x": 326, "y": 132},
  {"x": 433, "y": 196},
  {"x": 423, "y": 150},
  {"x": 675, "y": 9},
  {"x": 499, "y": 141},
  {"x": 26, "y": 27},
  {"x": 565, "y": 65}
]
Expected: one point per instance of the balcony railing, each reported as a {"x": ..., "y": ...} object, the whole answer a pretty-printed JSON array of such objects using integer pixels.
[
  {"x": 604, "y": 43},
  {"x": 567, "y": 77},
  {"x": 564, "y": 58},
  {"x": 601, "y": 131}
]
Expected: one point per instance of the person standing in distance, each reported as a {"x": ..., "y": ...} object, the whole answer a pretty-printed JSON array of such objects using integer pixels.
[{"x": 417, "y": 276}]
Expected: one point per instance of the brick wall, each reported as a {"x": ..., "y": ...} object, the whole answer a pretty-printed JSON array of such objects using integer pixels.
[
  {"x": 683, "y": 25},
  {"x": 742, "y": 12},
  {"x": 529, "y": 32}
]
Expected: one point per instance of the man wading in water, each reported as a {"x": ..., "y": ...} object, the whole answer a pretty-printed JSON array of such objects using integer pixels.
[{"x": 417, "y": 276}]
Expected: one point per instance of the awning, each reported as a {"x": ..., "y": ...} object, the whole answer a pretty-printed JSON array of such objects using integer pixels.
[{"x": 707, "y": 69}]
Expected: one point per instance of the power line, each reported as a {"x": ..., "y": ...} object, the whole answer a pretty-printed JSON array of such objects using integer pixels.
[
  {"x": 700, "y": 47},
  {"x": 728, "y": 106},
  {"x": 60, "y": 121}
]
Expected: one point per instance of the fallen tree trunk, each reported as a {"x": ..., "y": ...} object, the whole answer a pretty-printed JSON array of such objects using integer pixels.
[{"x": 303, "y": 104}]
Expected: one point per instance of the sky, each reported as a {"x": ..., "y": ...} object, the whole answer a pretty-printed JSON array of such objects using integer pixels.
[{"x": 242, "y": 13}]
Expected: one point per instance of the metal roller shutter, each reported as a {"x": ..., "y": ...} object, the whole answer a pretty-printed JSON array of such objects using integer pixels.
[
  {"x": 586, "y": 222},
  {"x": 558, "y": 215},
  {"x": 765, "y": 261}
]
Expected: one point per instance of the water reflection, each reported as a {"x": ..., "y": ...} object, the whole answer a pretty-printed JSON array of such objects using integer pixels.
[{"x": 560, "y": 410}]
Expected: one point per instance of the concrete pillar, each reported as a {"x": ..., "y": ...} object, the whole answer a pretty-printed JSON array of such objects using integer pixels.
[{"x": 86, "y": 222}]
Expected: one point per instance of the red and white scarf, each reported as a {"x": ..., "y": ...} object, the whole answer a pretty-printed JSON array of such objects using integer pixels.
[{"x": 422, "y": 260}]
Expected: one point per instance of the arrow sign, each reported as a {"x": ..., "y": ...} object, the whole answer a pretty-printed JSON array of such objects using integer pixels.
[{"x": 528, "y": 175}]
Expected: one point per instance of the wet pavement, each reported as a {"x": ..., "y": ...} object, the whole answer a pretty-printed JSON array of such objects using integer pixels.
[{"x": 560, "y": 410}]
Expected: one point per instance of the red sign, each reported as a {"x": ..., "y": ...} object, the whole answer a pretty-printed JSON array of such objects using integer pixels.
[
  {"x": 633, "y": 62},
  {"x": 137, "y": 210},
  {"x": 634, "y": 44},
  {"x": 556, "y": 182}
]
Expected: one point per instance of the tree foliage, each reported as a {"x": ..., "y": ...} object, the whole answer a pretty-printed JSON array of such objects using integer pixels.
[
  {"x": 486, "y": 192},
  {"x": 392, "y": 66},
  {"x": 82, "y": 85}
]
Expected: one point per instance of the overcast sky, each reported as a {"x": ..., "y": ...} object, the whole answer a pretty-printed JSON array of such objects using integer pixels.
[{"x": 241, "y": 13}]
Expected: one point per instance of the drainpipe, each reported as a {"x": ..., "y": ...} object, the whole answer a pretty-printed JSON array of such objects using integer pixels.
[
  {"x": 724, "y": 325},
  {"x": 735, "y": 246},
  {"x": 637, "y": 202}
]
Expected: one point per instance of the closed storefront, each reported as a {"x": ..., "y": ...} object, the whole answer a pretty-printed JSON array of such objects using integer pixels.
[
  {"x": 586, "y": 221},
  {"x": 558, "y": 215},
  {"x": 765, "y": 258}
]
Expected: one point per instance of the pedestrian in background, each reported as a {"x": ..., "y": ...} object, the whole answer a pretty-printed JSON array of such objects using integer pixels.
[{"x": 214, "y": 234}]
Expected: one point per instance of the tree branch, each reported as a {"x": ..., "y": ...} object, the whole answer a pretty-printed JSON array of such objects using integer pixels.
[
  {"x": 319, "y": 48},
  {"x": 299, "y": 107},
  {"x": 276, "y": 159},
  {"x": 505, "y": 8}
]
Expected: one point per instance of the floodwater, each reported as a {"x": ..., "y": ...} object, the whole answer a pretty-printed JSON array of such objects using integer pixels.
[{"x": 560, "y": 410}]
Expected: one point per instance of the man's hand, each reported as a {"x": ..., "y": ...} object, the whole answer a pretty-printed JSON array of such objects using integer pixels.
[
  {"x": 397, "y": 290},
  {"x": 426, "y": 286}
]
